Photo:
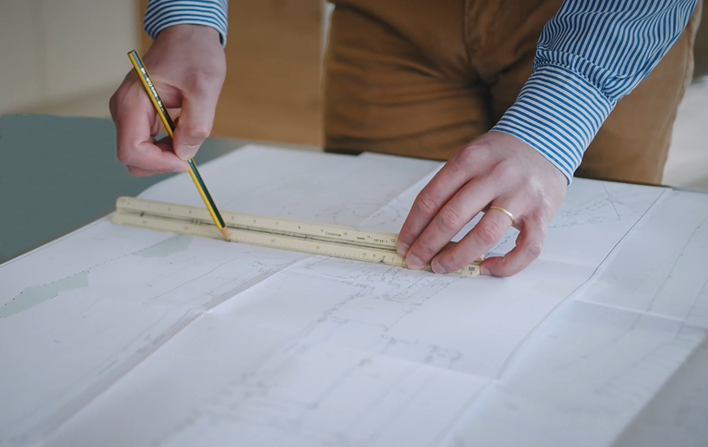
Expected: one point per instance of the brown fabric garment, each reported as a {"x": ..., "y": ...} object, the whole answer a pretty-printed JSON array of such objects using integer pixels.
[
  {"x": 633, "y": 143},
  {"x": 422, "y": 78}
]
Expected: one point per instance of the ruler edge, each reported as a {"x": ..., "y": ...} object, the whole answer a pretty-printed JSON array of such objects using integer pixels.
[
  {"x": 202, "y": 213},
  {"x": 470, "y": 270}
]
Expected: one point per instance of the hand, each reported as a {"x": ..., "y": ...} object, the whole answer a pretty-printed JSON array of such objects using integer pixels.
[
  {"x": 188, "y": 66},
  {"x": 494, "y": 169}
]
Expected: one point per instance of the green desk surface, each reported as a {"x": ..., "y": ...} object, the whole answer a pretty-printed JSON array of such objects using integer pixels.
[{"x": 58, "y": 174}]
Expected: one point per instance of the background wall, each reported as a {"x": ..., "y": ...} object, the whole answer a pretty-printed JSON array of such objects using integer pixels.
[
  {"x": 67, "y": 57},
  {"x": 60, "y": 51}
]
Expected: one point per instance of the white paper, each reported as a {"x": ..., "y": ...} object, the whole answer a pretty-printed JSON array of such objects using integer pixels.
[
  {"x": 102, "y": 298},
  {"x": 155, "y": 339}
]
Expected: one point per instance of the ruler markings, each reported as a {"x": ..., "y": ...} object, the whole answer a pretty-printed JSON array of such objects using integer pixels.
[{"x": 287, "y": 234}]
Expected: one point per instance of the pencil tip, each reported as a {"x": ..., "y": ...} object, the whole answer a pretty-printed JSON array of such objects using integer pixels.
[{"x": 225, "y": 233}]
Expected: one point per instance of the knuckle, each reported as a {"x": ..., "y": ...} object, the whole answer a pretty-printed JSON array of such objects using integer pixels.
[
  {"x": 200, "y": 82},
  {"x": 534, "y": 244},
  {"x": 465, "y": 154},
  {"x": 450, "y": 218},
  {"x": 199, "y": 130},
  {"x": 204, "y": 81},
  {"x": 125, "y": 156},
  {"x": 134, "y": 171},
  {"x": 505, "y": 173},
  {"x": 466, "y": 157},
  {"x": 424, "y": 250},
  {"x": 534, "y": 249},
  {"x": 426, "y": 205},
  {"x": 503, "y": 267},
  {"x": 534, "y": 191},
  {"x": 489, "y": 232}
]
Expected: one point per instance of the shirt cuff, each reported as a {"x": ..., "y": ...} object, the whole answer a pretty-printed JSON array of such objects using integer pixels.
[
  {"x": 558, "y": 113},
  {"x": 163, "y": 14}
]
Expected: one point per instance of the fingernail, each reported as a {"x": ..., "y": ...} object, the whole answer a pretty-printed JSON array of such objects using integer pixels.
[
  {"x": 483, "y": 270},
  {"x": 414, "y": 263},
  {"x": 438, "y": 268},
  {"x": 402, "y": 249},
  {"x": 186, "y": 152}
]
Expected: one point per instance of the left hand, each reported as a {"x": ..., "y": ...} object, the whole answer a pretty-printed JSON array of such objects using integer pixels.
[
  {"x": 494, "y": 169},
  {"x": 188, "y": 66}
]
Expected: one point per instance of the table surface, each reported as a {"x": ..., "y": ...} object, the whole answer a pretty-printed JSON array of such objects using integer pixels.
[
  {"x": 57, "y": 174},
  {"x": 60, "y": 173}
]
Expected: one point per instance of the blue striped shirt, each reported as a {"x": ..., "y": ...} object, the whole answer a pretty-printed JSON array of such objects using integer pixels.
[{"x": 590, "y": 55}]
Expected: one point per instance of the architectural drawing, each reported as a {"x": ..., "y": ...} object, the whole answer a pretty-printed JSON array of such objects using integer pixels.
[{"x": 157, "y": 339}]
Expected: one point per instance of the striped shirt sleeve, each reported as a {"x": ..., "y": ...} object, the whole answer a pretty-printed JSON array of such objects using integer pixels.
[
  {"x": 589, "y": 55},
  {"x": 162, "y": 14}
]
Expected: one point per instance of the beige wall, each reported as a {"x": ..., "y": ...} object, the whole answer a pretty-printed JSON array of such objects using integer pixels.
[{"x": 59, "y": 50}]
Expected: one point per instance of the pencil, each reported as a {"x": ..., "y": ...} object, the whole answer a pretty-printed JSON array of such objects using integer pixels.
[{"x": 170, "y": 127}]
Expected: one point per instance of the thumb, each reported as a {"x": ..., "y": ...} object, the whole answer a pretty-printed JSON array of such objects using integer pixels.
[{"x": 194, "y": 125}]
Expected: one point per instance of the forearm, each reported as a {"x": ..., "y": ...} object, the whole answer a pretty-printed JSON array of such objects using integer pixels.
[{"x": 590, "y": 55}]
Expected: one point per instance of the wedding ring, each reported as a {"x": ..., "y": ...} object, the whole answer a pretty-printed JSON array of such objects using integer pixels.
[{"x": 498, "y": 208}]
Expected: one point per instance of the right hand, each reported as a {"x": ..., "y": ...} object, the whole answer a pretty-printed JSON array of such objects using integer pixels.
[
  {"x": 495, "y": 169},
  {"x": 188, "y": 66}
]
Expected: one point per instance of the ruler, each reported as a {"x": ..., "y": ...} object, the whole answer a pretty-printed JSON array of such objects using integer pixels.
[{"x": 286, "y": 234}]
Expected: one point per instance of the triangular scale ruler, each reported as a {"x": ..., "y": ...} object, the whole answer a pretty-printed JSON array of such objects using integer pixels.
[{"x": 286, "y": 234}]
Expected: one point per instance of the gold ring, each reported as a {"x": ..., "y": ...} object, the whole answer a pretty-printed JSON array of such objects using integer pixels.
[{"x": 498, "y": 208}]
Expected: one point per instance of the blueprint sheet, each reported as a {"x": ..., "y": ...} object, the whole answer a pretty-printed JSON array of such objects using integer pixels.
[{"x": 119, "y": 336}]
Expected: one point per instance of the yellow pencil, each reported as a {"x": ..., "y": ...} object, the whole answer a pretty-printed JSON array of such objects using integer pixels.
[{"x": 170, "y": 127}]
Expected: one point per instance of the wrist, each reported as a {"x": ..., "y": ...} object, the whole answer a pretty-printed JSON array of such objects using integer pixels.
[
  {"x": 186, "y": 32},
  {"x": 162, "y": 15},
  {"x": 558, "y": 113}
]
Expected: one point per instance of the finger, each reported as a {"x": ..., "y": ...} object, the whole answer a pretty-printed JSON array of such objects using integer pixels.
[
  {"x": 116, "y": 98},
  {"x": 165, "y": 145},
  {"x": 430, "y": 200},
  {"x": 137, "y": 172},
  {"x": 195, "y": 122},
  {"x": 454, "y": 215},
  {"x": 499, "y": 209},
  {"x": 135, "y": 117},
  {"x": 175, "y": 114},
  {"x": 150, "y": 157},
  {"x": 488, "y": 231},
  {"x": 159, "y": 126},
  {"x": 528, "y": 247}
]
